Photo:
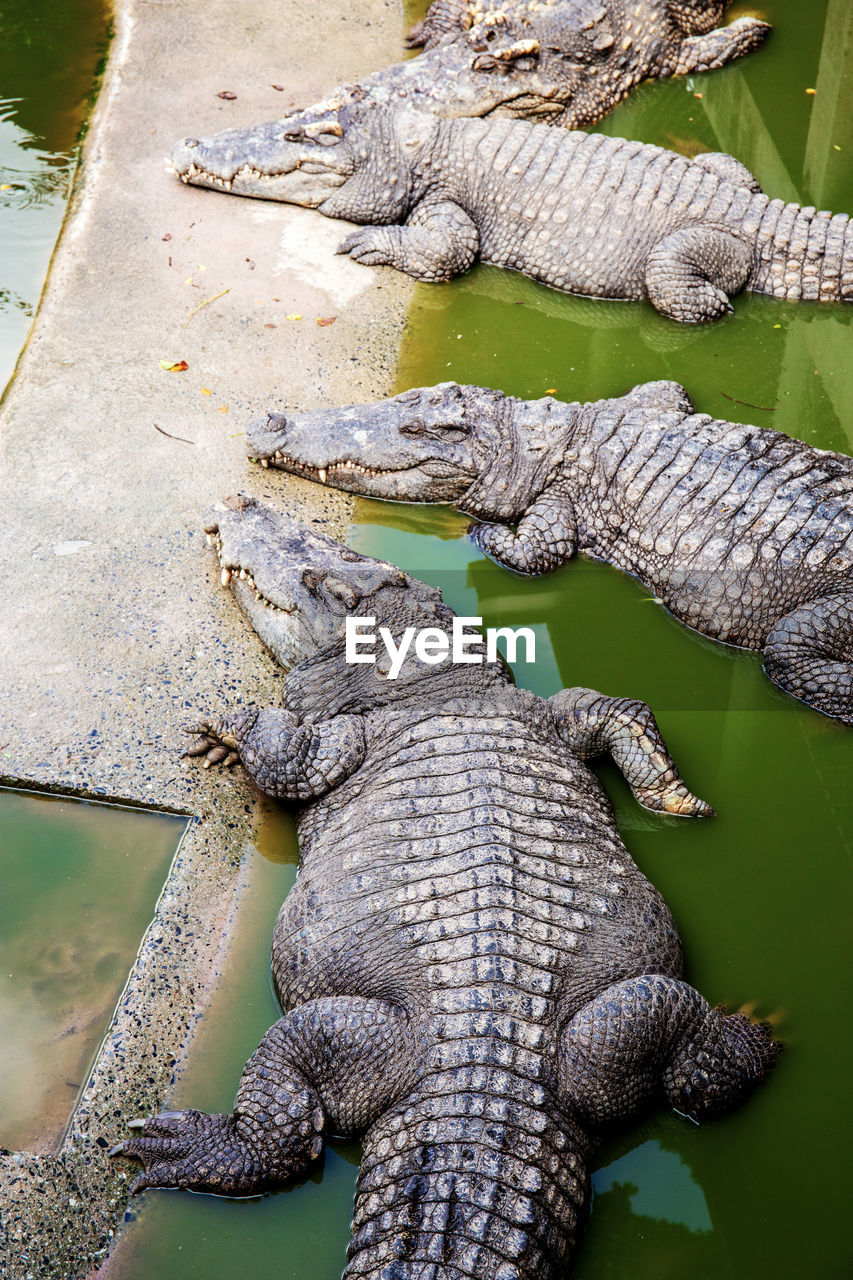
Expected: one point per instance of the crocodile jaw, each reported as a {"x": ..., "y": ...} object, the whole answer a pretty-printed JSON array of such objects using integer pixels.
[{"x": 280, "y": 160}]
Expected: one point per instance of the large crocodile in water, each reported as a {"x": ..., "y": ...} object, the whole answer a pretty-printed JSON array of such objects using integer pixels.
[
  {"x": 743, "y": 533},
  {"x": 584, "y": 213},
  {"x": 473, "y": 971},
  {"x": 563, "y": 62}
]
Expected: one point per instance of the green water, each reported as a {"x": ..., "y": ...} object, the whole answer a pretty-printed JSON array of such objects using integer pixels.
[
  {"x": 50, "y": 52},
  {"x": 762, "y": 893},
  {"x": 80, "y": 882}
]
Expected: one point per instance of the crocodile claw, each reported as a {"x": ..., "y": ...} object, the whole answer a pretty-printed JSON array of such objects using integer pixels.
[{"x": 214, "y": 743}]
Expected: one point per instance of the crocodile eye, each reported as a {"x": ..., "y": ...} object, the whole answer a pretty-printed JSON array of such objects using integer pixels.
[
  {"x": 452, "y": 431},
  {"x": 342, "y": 591},
  {"x": 311, "y": 579},
  {"x": 414, "y": 427}
]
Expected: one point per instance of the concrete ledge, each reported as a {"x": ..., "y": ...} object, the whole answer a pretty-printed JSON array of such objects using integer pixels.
[{"x": 114, "y": 632}]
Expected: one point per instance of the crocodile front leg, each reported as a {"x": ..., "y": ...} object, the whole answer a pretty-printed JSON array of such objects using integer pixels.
[
  {"x": 441, "y": 17},
  {"x": 809, "y": 654},
  {"x": 654, "y": 1034},
  {"x": 592, "y": 724},
  {"x": 720, "y": 46},
  {"x": 286, "y": 759},
  {"x": 334, "y": 1064},
  {"x": 545, "y": 538},
  {"x": 438, "y": 242},
  {"x": 691, "y": 273}
]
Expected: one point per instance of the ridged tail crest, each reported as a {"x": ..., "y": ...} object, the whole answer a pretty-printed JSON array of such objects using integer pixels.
[{"x": 457, "y": 1183}]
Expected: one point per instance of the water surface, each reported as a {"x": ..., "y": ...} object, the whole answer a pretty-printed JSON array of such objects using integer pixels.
[
  {"x": 50, "y": 53},
  {"x": 80, "y": 883}
]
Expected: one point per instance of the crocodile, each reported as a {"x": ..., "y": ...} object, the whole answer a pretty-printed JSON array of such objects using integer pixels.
[
  {"x": 743, "y": 533},
  {"x": 564, "y": 62},
  {"x": 474, "y": 974},
  {"x": 584, "y": 213}
]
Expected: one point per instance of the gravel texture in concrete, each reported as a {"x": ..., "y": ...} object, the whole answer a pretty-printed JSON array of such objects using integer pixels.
[{"x": 115, "y": 633}]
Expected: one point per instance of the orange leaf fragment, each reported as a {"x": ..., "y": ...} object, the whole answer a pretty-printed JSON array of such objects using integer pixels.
[
  {"x": 205, "y": 391},
  {"x": 223, "y": 408},
  {"x": 324, "y": 320},
  {"x": 174, "y": 366},
  {"x": 550, "y": 391},
  {"x": 294, "y": 316}
]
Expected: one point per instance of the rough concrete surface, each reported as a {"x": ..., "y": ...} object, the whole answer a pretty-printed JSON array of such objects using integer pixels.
[{"x": 114, "y": 633}]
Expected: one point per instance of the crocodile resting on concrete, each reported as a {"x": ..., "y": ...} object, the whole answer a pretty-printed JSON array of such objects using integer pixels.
[
  {"x": 564, "y": 62},
  {"x": 584, "y": 213},
  {"x": 743, "y": 533},
  {"x": 474, "y": 974}
]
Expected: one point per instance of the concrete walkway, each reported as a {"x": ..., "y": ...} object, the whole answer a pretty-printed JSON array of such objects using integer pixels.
[{"x": 114, "y": 632}]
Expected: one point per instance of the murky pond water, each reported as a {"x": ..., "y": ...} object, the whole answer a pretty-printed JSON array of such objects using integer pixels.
[
  {"x": 50, "y": 52},
  {"x": 762, "y": 893},
  {"x": 80, "y": 883}
]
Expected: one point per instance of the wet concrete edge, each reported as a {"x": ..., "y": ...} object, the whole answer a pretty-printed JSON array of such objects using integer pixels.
[{"x": 114, "y": 633}]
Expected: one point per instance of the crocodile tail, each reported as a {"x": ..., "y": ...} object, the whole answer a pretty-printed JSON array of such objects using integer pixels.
[
  {"x": 803, "y": 253},
  {"x": 467, "y": 1183}
]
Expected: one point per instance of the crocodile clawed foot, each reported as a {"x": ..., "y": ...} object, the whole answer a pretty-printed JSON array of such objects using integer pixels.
[
  {"x": 181, "y": 1149},
  {"x": 753, "y": 1037},
  {"x": 214, "y": 743},
  {"x": 768, "y": 1022},
  {"x": 364, "y": 245},
  {"x": 675, "y": 800}
]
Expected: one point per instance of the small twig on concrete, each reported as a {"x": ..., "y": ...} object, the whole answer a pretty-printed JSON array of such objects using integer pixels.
[
  {"x": 171, "y": 437},
  {"x": 204, "y": 304},
  {"x": 763, "y": 407}
]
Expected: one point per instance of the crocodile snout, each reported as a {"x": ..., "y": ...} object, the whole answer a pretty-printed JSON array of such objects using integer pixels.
[{"x": 266, "y": 436}]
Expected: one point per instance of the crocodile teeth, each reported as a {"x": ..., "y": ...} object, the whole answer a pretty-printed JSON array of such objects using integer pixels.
[
  {"x": 265, "y": 462},
  {"x": 225, "y": 577},
  {"x": 243, "y": 575},
  {"x": 322, "y": 474},
  {"x": 210, "y": 539}
]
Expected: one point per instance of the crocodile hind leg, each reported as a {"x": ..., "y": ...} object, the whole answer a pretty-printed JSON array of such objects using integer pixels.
[
  {"x": 545, "y": 538},
  {"x": 438, "y": 242},
  {"x": 592, "y": 724},
  {"x": 331, "y": 1064},
  {"x": 809, "y": 654},
  {"x": 691, "y": 273},
  {"x": 653, "y": 1035}
]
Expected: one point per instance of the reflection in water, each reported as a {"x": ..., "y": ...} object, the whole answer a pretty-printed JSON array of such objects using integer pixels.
[
  {"x": 79, "y": 886},
  {"x": 659, "y": 1185},
  {"x": 49, "y": 54}
]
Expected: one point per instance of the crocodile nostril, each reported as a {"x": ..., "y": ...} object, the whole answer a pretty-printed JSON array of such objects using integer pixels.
[{"x": 190, "y": 142}]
